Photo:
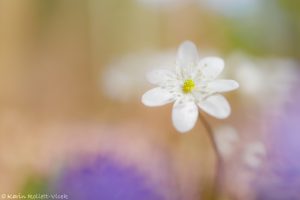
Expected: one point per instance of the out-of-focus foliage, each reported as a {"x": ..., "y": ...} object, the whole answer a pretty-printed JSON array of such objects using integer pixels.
[{"x": 35, "y": 185}]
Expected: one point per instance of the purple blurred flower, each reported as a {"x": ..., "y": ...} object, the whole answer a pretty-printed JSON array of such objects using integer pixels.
[
  {"x": 280, "y": 180},
  {"x": 105, "y": 179}
]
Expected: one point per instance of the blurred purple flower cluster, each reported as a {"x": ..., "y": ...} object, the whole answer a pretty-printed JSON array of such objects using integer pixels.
[
  {"x": 105, "y": 178},
  {"x": 280, "y": 179}
]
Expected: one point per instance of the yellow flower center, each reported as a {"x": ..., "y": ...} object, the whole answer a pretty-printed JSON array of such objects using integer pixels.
[{"x": 188, "y": 85}]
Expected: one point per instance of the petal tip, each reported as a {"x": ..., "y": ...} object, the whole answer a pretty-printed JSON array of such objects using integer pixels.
[
  {"x": 216, "y": 106},
  {"x": 181, "y": 130},
  {"x": 143, "y": 100},
  {"x": 187, "y": 42},
  {"x": 184, "y": 116},
  {"x": 156, "y": 97},
  {"x": 211, "y": 66},
  {"x": 237, "y": 85},
  {"x": 187, "y": 54},
  {"x": 224, "y": 115}
]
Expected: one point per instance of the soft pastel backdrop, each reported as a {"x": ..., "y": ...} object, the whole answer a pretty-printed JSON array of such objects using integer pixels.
[{"x": 72, "y": 74}]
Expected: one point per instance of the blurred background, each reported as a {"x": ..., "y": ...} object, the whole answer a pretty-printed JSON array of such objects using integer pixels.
[{"x": 72, "y": 74}]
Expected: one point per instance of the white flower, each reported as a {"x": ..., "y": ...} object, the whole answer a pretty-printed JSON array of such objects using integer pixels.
[
  {"x": 254, "y": 153},
  {"x": 190, "y": 85},
  {"x": 265, "y": 82},
  {"x": 226, "y": 138}
]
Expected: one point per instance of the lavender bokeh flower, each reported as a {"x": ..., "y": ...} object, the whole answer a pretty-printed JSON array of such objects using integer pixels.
[
  {"x": 106, "y": 179},
  {"x": 280, "y": 180}
]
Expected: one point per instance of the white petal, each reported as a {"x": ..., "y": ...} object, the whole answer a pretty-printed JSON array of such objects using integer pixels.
[
  {"x": 157, "y": 97},
  {"x": 211, "y": 67},
  {"x": 222, "y": 85},
  {"x": 226, "y": 138},
  {"x": 187, "y": 54},
  {"x": 184, "y": 115},
  {"x": 160, "y": 75},
  {"x": 254, "y": 154},
  {"x": 216, "y": 106}
]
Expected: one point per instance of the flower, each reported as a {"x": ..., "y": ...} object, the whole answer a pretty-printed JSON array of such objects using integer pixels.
[
  {"x": 265, "y": 82},
  {"x": 254, "y": 153},
  {"x": 104, "y": 178},
  {"x": 226, "y": 138},
  {"x": 191, "y": 84},
  {"x": 280, "y": 178}
]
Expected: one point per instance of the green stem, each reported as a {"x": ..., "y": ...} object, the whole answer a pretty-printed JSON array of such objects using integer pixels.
[{"x": 216, "y": 191}]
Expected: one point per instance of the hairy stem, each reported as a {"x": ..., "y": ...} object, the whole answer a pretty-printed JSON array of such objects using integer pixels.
[{"x": 217, "y": 190}]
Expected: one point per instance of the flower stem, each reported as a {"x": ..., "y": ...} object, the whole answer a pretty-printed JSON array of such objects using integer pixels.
[{"x": 216, "y": 190}]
